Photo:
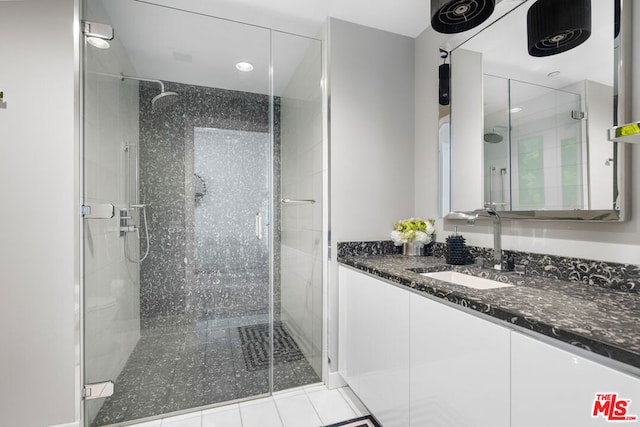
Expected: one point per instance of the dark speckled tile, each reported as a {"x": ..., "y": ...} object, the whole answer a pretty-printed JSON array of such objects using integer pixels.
[
  {"x": 174, "y": 145},
  {"x": 203, "y": 366},
  {"x": 598, "y": 319}
]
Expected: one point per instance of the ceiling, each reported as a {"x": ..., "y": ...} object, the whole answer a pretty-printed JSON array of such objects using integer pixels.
[
  {"x": 174, "y": 45},
  {"x": 306, "y": 17},
  {"x": 185, "y": 41},
  {"x": 199, "y": 41}
]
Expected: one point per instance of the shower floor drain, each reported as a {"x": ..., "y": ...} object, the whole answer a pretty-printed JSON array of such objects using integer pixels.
[{"x": 256, "y": 346}]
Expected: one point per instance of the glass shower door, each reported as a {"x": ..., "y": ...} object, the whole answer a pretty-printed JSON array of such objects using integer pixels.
[
  {"x": 178, "y": 146},
  {"x": 298, "y": 309},
  {"x": 203, "y": 140},
  {"x": 111, "y": 289}
]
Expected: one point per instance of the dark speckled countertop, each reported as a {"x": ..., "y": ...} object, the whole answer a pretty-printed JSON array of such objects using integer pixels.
[{"x": 603, "y": 321}]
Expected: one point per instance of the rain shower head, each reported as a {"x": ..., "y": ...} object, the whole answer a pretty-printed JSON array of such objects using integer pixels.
[
  {"x": 163, "y": 100},
  {"x": 495, "y": 136},
  {"x": 492, "y": 138}
]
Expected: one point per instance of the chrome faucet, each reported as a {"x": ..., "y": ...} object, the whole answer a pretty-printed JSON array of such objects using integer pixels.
[{"x": 497, "y": 233}]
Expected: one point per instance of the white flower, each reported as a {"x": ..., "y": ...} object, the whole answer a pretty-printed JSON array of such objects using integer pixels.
[
  {"x": 422, "y": 237},
  {"x": 396, "y": 236},
  {"x": 430, "y": 228},
  {"x": 413, "y": 230}
]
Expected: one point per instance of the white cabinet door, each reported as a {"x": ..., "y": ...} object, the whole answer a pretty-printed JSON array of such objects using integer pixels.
[
  {"x": 459, "y": 368},
  {"x": 552, "y": 387},
  {"x": 348, "y": 333},
  {"x": 374, "y": 328}
]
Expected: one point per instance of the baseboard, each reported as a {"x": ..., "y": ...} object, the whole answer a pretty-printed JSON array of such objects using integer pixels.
[{"x": 334, "y": 380}]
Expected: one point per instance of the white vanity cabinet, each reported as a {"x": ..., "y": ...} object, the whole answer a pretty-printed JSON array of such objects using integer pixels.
[
  {"x": 418, "y": 362},
  {"x": 459, "y": 368},
  {"x": 374, "y": 345},
  {"x": 553, "y": 387}
]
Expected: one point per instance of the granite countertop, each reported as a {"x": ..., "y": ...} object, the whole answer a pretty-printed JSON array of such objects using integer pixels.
[{"x": 603, "y": 321}]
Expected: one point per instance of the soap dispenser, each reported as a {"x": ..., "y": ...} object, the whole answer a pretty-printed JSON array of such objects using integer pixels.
[{"x": 456, "y": 252}]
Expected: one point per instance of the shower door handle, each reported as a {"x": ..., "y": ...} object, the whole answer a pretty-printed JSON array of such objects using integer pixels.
[
  {"x": 259, "y": 226},
  {"x": 299, "y": 201}
]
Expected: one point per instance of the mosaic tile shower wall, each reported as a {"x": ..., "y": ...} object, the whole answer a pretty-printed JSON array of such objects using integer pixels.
[
  {"x": 224, "y": 228},
  {"x": 175, "y": 279}
]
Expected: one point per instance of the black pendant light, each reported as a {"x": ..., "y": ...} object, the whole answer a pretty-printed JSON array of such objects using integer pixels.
[
  {"x": 444, "y": 78},
  {"x": 617, "y": 12},
  {"x": 443, "y": 84},
  {"x": 456, "y": 16},
  {"x": 555, "y": 26}
]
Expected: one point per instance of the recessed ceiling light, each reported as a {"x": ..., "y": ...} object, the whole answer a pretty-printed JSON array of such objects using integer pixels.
[
  {"x": 98, "y": 42},
  {"x": 515, "y": 109},
  {"x": 553, "y": 74},
  {"x": 245, "y": 67}
]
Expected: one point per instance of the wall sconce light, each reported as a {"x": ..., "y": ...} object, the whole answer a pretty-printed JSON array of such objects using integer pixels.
[{"x": 556, "y": 26}]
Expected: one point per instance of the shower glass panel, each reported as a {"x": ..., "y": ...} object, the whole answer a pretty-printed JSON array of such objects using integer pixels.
[
  {"x": 297, "y": 76},
  {"x": 205, "y": 285},
  {"x": 496, "y": 137}
]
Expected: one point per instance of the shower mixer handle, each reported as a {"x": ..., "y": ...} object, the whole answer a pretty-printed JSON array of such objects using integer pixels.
[{"x": 128, "y": 229}]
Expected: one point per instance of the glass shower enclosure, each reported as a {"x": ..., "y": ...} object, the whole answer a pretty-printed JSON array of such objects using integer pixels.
[{"x": 202, "y": 191}]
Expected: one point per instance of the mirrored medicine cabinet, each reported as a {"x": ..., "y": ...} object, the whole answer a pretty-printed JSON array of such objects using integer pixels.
[{"x": 527, "y": 136}]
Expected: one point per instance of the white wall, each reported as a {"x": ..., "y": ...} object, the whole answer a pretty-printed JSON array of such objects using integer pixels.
[
  {"x": 39, "y": 215},
  {"x": 599, "y": 116},
  {"x": 371, "y": 81},
  {"x": 466, "y": 125},
  {"x": 427, "y": 60},
  {"x": 600, "y": 241}
]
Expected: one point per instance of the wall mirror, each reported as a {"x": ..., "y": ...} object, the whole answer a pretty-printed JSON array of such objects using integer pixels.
[{"x": 528, "y": 135}]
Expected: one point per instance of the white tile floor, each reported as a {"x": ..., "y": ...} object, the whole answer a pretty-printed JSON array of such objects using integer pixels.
[{"x": 309, "y": 407}]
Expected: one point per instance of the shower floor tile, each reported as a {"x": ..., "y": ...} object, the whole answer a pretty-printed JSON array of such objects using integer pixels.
[{"x": 202, "y": 365}]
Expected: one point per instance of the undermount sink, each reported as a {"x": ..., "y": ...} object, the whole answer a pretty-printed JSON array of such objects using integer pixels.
[{"x": 466, "y": 280}]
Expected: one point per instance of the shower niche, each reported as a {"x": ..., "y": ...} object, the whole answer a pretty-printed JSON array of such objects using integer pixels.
[{"x": 227, "y": 304}]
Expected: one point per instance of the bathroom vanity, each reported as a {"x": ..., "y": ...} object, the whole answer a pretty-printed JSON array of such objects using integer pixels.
[{"x": 420, "y": 351}]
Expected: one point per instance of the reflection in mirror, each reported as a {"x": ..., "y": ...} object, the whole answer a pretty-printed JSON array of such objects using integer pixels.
[
  {"x": 496, "y": 139},
  {"x": 534, "y": 127},
  {"x": 533, "y": 134}
]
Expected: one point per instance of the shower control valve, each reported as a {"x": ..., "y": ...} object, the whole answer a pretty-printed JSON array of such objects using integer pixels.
[
  {"x": 128, "y": 229},
  {"x": 125, "y": 225}
]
